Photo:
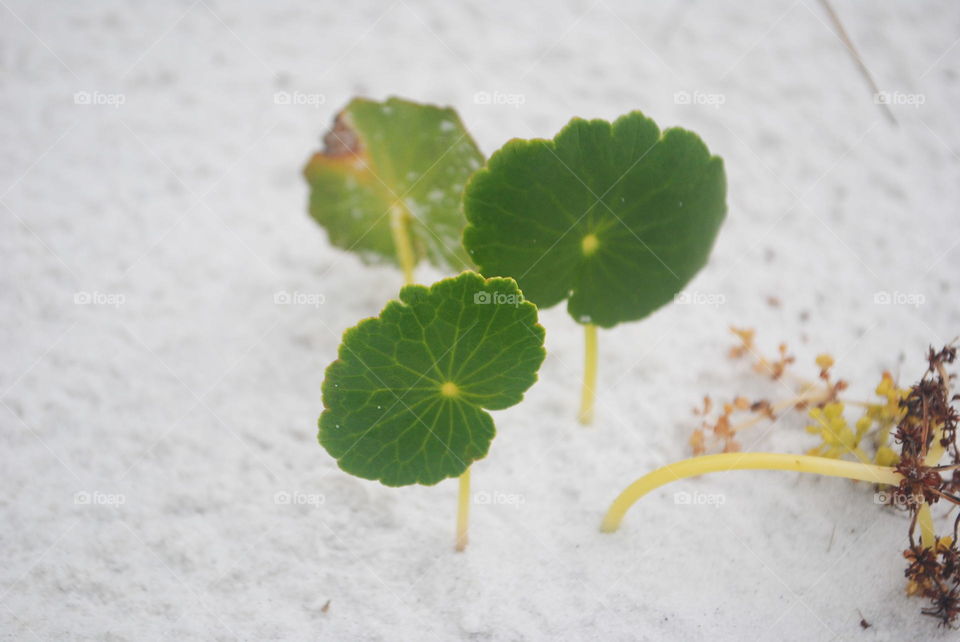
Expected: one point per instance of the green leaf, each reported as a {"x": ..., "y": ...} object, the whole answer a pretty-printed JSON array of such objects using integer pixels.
[
  {"x": 394, "y": 159},
  {"x": 617, "y": 218},
  {"x": 404, "y": 400}
]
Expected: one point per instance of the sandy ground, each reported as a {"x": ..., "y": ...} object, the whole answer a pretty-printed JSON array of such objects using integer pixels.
[{"x": 160, "y": 472}]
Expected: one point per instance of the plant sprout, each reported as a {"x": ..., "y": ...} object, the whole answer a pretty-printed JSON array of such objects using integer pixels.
[
  {"x": 614, "y": 218},
  {"x": 405, "y": 402},
  {"x": 388, "y": 182}
]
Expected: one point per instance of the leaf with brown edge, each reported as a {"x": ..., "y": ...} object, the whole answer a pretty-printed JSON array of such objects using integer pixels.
[{"x": 394, "y": 162}]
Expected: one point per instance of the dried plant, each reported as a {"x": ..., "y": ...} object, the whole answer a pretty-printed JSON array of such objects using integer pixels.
[{"x": 905, "y": 441}]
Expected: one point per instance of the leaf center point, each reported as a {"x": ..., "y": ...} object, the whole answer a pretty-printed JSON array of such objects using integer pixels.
[
  {"x": 449, "y": 389},
  {"x": 589, "y": 244}
]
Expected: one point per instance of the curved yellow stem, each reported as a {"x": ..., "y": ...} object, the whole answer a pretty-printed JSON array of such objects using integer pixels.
[
  {"x": 743, "y": 461},
  {"x": 400, "y": 227},
  {"x": 925, "y": 518},
  {"x": 463, "y": 510},
  {"x": 589, "y": 373}
]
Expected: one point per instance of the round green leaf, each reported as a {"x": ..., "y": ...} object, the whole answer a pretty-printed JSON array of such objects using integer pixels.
[
  {"x": 404, "y": 400},
  {"x": 617, "y": 218},
  {"x": 394, "y": 156}
]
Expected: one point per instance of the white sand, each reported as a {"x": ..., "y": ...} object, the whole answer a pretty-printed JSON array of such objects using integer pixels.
[{"x": 194, "y": 402}]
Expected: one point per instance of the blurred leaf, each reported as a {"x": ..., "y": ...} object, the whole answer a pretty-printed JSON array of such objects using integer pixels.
[{"x": 396, "y": 156}]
